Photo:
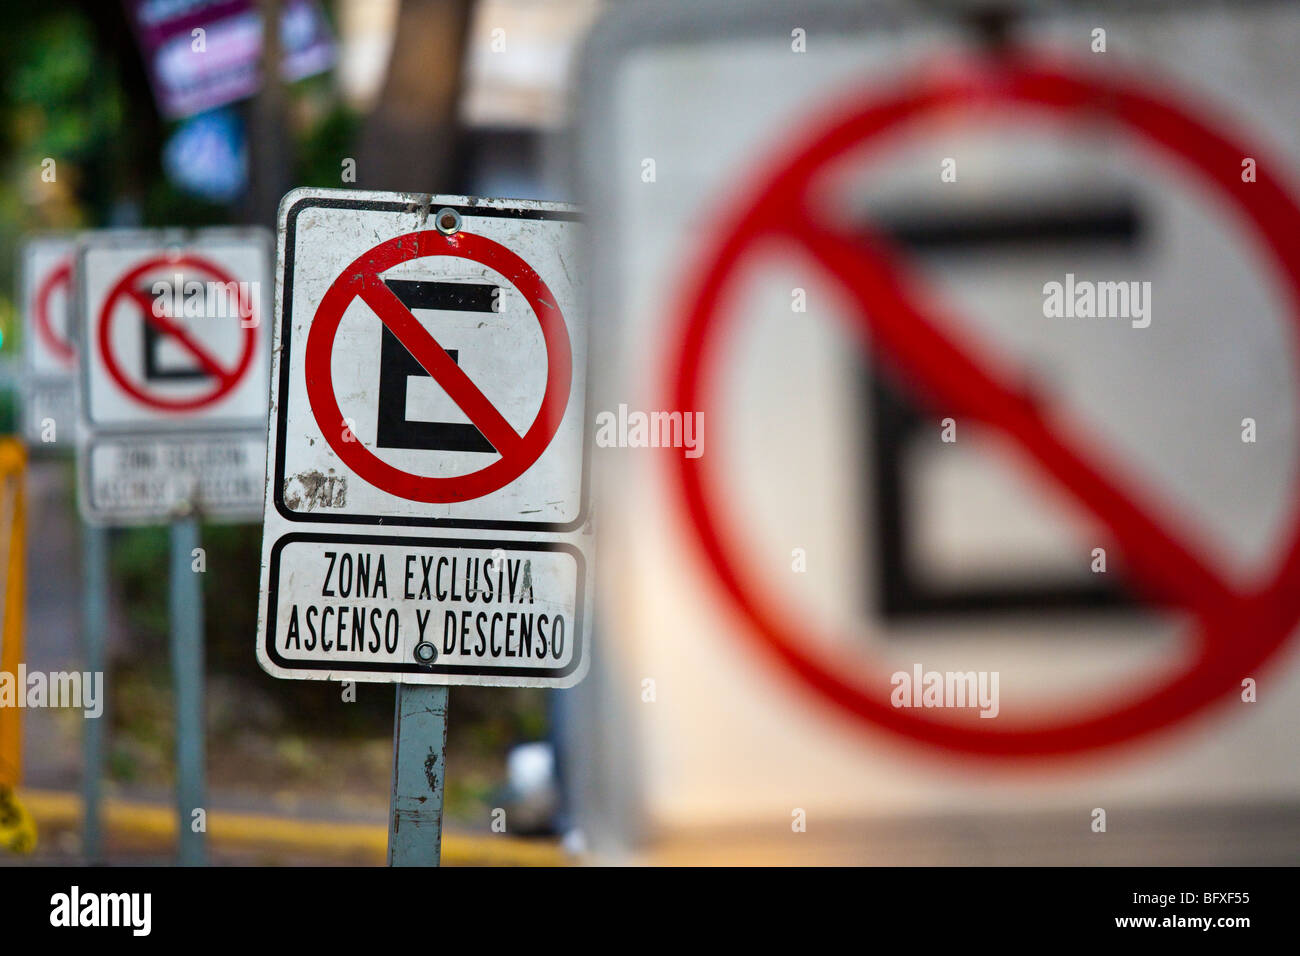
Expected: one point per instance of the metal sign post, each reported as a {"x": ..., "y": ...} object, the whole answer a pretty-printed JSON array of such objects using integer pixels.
[
  {"x": 186, "y": 611},
  {"x": 94, "y": 612},
  {"x": 419, "y": 775}
]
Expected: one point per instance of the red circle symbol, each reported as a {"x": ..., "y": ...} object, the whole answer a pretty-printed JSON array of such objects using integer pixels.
[
  {"x": 1236, "y": 630},
  {"x": 59, "y": 346},
  {"x": 362, "y": 279},
  {"x": 126, "y": 292}
]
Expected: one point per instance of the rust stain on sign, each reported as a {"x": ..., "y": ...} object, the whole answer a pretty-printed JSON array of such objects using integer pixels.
[
  {"x": 314, "y": 489},
  {"x": 430, "y": 773}
]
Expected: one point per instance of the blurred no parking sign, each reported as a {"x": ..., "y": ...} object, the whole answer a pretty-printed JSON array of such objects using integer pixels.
[
  {"x": 49, "y": 406},
  {"x": 176, "y": 353},
  {"x": 889, "y": 197}
]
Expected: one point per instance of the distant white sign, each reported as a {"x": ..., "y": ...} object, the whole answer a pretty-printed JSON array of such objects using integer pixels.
[
  {"x": 49, "y": 397},
  {"x": 175, "y": 374}
]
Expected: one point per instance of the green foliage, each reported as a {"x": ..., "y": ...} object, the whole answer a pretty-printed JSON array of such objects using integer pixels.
[
  {"x": 324, "y": 146},
  {"x": 61, "y": 107},
  {"x": 63, "y": 100},
  {"x": 8, "y": 412}
]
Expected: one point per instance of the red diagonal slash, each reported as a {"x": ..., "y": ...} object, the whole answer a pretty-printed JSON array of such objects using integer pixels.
[
  {"x": 971, "y": 386},
  {"x": 433, "y": 358},
  {"x": 1238, "y": 629},
  {"x": 166, "y": 325}
]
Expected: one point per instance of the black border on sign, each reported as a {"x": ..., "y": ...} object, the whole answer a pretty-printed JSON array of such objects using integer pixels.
[
  {"x": 273, "y": 589},
  {"x": 282, "y": 386}
]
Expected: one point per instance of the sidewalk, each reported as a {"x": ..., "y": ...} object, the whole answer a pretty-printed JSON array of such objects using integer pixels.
[{"x": 145, "y": 833}]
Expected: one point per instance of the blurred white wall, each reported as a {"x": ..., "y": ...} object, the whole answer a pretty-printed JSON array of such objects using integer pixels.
[{"x": 365, "y": 44}]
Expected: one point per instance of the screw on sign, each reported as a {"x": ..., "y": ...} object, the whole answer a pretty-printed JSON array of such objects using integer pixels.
[
  {"x": 128, "y": 292},
  {"x": 60, "y": 279},
  {"x": 362, "y": 279},
  {"x": 1236, "y": 631}
]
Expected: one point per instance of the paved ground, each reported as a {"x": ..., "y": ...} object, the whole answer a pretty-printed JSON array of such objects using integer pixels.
[
  {"x": 143, "y": 833},
  {"x": 1263, "y": 834}
]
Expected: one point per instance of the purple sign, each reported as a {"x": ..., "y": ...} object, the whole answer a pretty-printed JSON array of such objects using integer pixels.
[{"x": 201, "y": 54}]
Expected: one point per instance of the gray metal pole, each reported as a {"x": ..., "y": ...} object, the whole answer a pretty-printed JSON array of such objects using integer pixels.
[
  {"x": 94, "y": 617},
  {"x": 419, "y": 776},
  {"x": 186, "y": 610}
]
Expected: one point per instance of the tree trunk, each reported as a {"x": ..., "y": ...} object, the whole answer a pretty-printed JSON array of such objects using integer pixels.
[{"x": 409, "y": 141}]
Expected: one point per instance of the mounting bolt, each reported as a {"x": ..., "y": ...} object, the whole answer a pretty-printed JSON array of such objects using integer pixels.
[
  {"x": 425, "y": 652},
  {"x": 447, "y": 221}
]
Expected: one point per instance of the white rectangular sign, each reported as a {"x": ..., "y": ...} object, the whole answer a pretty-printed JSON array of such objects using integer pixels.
[
  {"x": 841, "y": 240},
  {"x": 49, "y": 397},
  {"x": 174, "y": 381},
  {"x": 426, "y": 505}
]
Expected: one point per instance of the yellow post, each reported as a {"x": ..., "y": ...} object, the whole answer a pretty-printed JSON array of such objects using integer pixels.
[{"x": 17, "y": 831}]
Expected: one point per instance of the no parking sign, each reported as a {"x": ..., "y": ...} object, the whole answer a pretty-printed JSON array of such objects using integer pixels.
[
  {"x": 49, "y": 351},
  {"x": 1237, "y": 630},
  {"x": 840, "y": 236},
  {"x": 174, "y": 331},
  {"x": 426, "y": 506}
]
